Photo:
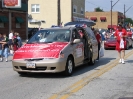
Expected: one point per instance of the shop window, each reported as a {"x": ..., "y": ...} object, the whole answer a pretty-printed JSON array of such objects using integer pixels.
[
  {"x": 1, "y": 25},
  {"x": 95, "y": 20},
  {"x": 103, "y": 20},
  {"x": 18, "y": 25}
]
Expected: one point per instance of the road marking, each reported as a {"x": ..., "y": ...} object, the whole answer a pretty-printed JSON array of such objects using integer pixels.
[{"x": 84, "y": 81}]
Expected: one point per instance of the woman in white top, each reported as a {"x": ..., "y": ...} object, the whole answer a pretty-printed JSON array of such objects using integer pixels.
[{"x": 11, "y": 40}]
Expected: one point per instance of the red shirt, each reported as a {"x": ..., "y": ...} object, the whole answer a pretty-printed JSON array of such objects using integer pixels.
[
  {"x": 120, "y": 33},
  {"x": 98, "y": 37}
]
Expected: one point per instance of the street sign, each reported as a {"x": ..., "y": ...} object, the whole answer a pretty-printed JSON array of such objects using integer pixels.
[{"x": 11, "y": 3}]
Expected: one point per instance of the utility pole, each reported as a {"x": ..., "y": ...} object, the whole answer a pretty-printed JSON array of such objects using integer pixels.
[
  {"x": 111, "y": 15},
  {"x": 59, "y": 13},
  {"x": 111, "y": 12},
  {"x": 124, "y": 16},
  {"x": 125, "y": 12}
]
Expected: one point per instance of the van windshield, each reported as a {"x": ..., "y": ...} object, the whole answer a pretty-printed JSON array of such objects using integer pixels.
[{"x": 49, "y": 36}]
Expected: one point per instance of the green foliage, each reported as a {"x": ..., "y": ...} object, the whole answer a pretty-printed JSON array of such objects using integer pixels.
[
  {"x": 98, "y": 9},
  {"x": 129, "y": 20}
]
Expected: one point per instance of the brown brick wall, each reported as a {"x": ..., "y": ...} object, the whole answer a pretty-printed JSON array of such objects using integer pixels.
[
  {"x": 22, "y": 29},
  {"x": 104, "y": 25},
  {"x": 21, "y": 14},
  {"x": 6, "y": 25}
]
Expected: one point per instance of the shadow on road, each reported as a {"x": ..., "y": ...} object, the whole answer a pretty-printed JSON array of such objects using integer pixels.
[
  {"x": 78, "y": 71},
  {"x": 85, "y": 68},
  {"x": 129, "y": 61}
]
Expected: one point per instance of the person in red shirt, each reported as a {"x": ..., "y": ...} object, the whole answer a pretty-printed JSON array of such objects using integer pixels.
[
  {"x": 120, "y": 35},
  {"x": 98, "y": 37}
]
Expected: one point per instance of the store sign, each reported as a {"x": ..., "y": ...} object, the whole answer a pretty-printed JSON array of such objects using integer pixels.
[{"x": 11, "y": 3}]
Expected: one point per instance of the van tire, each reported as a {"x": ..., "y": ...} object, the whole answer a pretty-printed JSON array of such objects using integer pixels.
[{"x": 69, "y": 67}]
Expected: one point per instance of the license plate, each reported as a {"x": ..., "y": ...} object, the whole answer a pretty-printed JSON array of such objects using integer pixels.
[{"x": 30, "y": 65}]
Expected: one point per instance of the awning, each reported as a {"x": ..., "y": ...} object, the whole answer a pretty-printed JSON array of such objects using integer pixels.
[
  {"x": 119, "y": 16},
  {"x": 19, "y": 20},
  {"x": 3, "y": 19},
  {"x": 93, "y": 18},
  {"x": 102, "y": 18},
  {"x": 33, "y": 21},
  {"x": 113, "y": 26}
]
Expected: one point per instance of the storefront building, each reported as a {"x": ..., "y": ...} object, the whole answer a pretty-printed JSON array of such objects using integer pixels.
[
  {"x": 103, "y": 19},
  {"x": 14, "y": 19},
  {"x": 44, "y": 13}
]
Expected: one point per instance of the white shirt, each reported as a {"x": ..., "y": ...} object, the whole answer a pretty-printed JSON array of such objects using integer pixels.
[{"x": 10, "y": 35}]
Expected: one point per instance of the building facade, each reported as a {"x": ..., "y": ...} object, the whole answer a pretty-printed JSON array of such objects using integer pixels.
[
  {"x": 14, "y": 19},
  {"x": 103, "y": 19},
  {"x": 45, "y": 13}
]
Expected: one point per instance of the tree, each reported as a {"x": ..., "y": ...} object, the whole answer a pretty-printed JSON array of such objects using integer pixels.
[
  {"x": 128, "y": 21},
  {"x": 98, "y": 9}
]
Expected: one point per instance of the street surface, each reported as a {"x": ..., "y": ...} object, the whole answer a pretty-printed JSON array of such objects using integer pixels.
[{"x": 105, "y": 80}]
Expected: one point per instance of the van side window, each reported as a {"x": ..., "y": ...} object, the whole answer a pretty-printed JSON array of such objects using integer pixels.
[{"x": 75, "y": 34}]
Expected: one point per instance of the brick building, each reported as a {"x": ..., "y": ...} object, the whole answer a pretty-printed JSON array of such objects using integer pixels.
[
  {"x": 103, "y": 19},
  {"x": 14, "y": 19},
  {"x": 47, "y": 10}
]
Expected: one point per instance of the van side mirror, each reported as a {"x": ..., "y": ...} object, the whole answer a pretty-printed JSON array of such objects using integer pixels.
[
  {"x": 26, "y": 41},
  {"x": 76, "y": 41}
]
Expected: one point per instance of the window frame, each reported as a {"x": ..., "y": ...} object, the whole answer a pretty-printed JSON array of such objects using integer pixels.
[
  {"x": 35, "y": 8},
  {"x": 82, "y": 11},
  {"x": 2, "y": 25},
  {"x": 74, "y": 9},
  {"x": 18, "y": 25},
  {"x": 103, "y": 20}
]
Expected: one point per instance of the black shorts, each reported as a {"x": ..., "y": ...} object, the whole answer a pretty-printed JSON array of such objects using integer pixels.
[{"x": 10, "y": 42}]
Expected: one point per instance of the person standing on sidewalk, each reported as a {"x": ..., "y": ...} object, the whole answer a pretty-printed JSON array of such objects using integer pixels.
[
  {"x": 15, "y": 42},
  {"x": 1, "y": 50},
  {"x": 19, "y": 40},
  {"x": 11, "y": 41},
  {"x": 98, "y": 37},
  {"x": 6, "y": 47},
  {"x": 120, "y": 36}
]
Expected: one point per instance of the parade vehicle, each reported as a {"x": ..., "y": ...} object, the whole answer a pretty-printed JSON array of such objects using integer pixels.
[
  {"x": 110, "y": 43},
  {"x": 59, "y": 49},
  {"x": 129, "y": 32}
]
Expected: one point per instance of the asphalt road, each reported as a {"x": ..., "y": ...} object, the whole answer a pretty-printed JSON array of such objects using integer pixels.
[{"x": 105, "y": 80}]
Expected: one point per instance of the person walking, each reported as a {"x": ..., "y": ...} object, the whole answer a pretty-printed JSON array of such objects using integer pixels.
[
  {"x": 120, "y": 36},
  {"x": 98, "y": 37},
  {"x": 19, "y": 40},
  {"x": 6, "y": 47},
  {"x": 11, "y": 41},
  {"x": 1, "y": 50},
  {"x": 15, "y": 42}
]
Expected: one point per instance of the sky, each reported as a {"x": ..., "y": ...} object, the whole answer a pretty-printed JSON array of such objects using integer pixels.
[{"x": 106, "y": 6}]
